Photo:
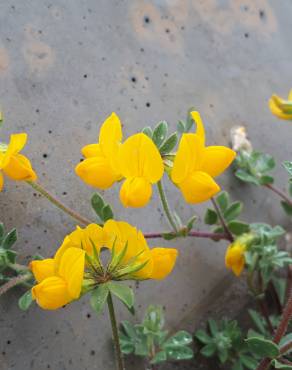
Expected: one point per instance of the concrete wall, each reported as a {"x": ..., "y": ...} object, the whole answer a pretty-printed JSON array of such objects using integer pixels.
[{"x": 66, "y": 65}]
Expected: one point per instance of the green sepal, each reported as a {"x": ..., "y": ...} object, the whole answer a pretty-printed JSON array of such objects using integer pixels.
[
  {"x": 25, "y": 301},
  {"x": 99, "y": 296}
]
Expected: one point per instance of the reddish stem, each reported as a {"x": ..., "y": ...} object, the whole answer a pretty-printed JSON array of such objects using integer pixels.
[
  {"x": 280, "y": 193},
  {"x": 196, "y": 234}
]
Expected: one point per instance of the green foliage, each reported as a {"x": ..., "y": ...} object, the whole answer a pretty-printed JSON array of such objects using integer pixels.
[
  {"x": 254, "y": 167},
  {"x": 102, "y": 209},
  {"x": 188, "y": 124},
  {"x": 230, "y": 212},
  {"x": 160, "y": 137},
  {"x": 25, "y": 301},
  {"x": 262, "y": 347},
  {"x": 225, "y": 341},
  {"x": 288, "y": 167},
  {"x": 7, "y": 255},
  {"x": 150, "y": 340}
]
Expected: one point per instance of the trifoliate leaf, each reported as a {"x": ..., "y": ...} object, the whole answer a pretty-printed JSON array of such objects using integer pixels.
[
  {"x": 210, "y": 217},
  {"x": 233, "y": 211},
  {"x": 98, "y": 297},
  {"x": 123, "y": 292},
  {"x": 246, "y": 177}
]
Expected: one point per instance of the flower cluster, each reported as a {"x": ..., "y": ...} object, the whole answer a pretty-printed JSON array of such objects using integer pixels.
[
  {"x": 13, "y": 164},
  {"x": 78, "y": 262}
]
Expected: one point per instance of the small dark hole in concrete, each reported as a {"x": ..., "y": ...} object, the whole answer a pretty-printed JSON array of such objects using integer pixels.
[
  {"x": 45, "y": 155},
  {"x": 64, "y": 193},
  {"x": 38, "y": 247},
  {"x": 85, "y": 76},
  {"x": 246, "y": 35},
  {"x": 167, "y": 30},
  {"x": 8, "y": 342},
  {"x": 133, "y": 79},
  {"x": 35, "y": 194},
  {"x": 45, "y": 231},
  {"x": 3, "y": 353},
  {"x": 182, "y": 28},
  {"x": 146, "y": 19},
  {"x": 92, "y": 352},
  {"x": 50, "y": 131},
  {"x": 148, "y": 104},
  {"x": 142, "y": 50},
  {"x": 262, "y": 13},
  {"x": 57, "y": 332},
  {"x": 37, "y": 111},
  {"x": 88, "y": 315}
]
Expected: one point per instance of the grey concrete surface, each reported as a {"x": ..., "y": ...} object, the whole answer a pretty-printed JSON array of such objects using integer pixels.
[{"x": 66, "y": 65}]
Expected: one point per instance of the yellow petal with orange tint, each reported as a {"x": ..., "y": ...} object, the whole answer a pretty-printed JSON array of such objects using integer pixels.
[
  {"x": 19, "y": 168},
  {"x": 163, "y": 262},
  {"x": 200, "y": 131},
  {"x": 42, "y": 269},
  {"x": 135, "y": 192},
  {"x": 1, "y": 181},
  {"x": 216, "y": 159},
  {"x": 91, "y": 150},
  {"x": 198, "y": 187}
]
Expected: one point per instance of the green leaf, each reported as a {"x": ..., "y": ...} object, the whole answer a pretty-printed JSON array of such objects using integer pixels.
[
  {"x": 160, "y": 133},
  {"x": 279, "y": 365},
  {"x": 246, "y": 177},
  {"x": 265, "y": 179},
  {"x": 233, "y": 211},
  {"x": 223, "y": 200},
  {"x": 285, "y": 340},
  {"x": 147, "y": 131},
  {"x": 213, "y": 327},
  {"x": 290, "y": 188},
  {"x": 248, "y": 362},
  {"x": 288, "y": 167},
  {"x": 287, "y": 207},
  {"x": 123, "y": 292},
  {"x": 98, "y": 297},
  {"x": 9, "y": 239},
  {"x": 97, "y": 203},
  {"x": 180, "y": 353},
  {"x": 262, "y": 347},
  {"x": 191, "y": 222},
  {"x": 25, "y": 301},
  {"x": 238, "y": 227},
  {"x": 181, "y": 127},
  {"x": 169, "y": 236},
  {"x": 1, "y": 231},
  {"x": 107, "y": 213},
  {"x": 223, "y": 355},
  {"x": 169, "y": 144},
  {"x": 181, "y": 338},
  {"x": 280, "y": 286},
  {"x": 189, "y": 122},
  {"x": 258, "y": 320},
  {"x": 202, "y": 336},
  {"x": 210, "y": 217},
  {"x": 159, "y": 357},
  {"x": 208, "y": 350}
]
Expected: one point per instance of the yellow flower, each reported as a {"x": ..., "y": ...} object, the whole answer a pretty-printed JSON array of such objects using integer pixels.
[
  {"x": 195, "y": 165},
  {"x": 234, "y": 257},
  {"x": 16, "y": 166},
  {"x": 59, "y": 279},
  {"x": 100, "y": 168},
  {"x": 280, "y": 107},
  {"x": 141, "y": 164}
]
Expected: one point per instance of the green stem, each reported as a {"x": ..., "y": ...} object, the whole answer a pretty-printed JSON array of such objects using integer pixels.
[
  {"x": 14, "y": 282},
  {"x": 222, "y": 221},
  {"x": 166, "y": 206},
  {"x": 39, "y": 188},
  {"x": 119, "y": 356}
]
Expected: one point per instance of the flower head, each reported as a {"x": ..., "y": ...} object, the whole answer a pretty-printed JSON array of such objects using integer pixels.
[
  {"x": 195, "y": 165},
  {"x": 79, "y": 261},
  {"x": 59, "y": 279},
  {"x": 141, "y": 164},
  {"x": 280, "y": 107},
  {"x": 100, "y": 167},
  {"x": 234, "y": 257},
  {"x": 13, "y": 164}
]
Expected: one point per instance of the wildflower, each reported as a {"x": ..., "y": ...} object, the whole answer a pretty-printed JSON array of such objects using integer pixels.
[
  {"x": 234, "y": 257},
  {"x": 78, "y": 263},
  {"x": 195, "y": 165},
  {"x": 141, "y": 164},
  {"x": 16, "y": 166},
  {"x": 100, "y": 168},
  {"x": 59, "y": 279},
  {"x": 280, "y": 107}
]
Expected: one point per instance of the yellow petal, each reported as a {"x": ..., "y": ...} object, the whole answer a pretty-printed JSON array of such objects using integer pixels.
[
  {"x": 216, "y": 159},
  {"x": 1, "y": 181},
  {"x": 51, "y": 293},
  {"x": 91, "y": 150},
  {"x": 198, "y": 187},
  {"x": 42, "y": 269},
  {"x": 17, "y": 143},
  {"x": 19, "y": 168},
  {"x": 135, "y": 192},
  {"x": 83, "y": 238},
  {"x": 188, "y": 157},
  {"x": 277, "y": 111},
  {"x": 234, "y": 258},
  {"x": 163, "y": 262},
  {"x": 97, "y": 172},
  {"x": 139, "y": 157},
  {"x": 200, "y": 127},
  {"x": 290, "y": 95},
  {"x": 71, "y": 269},
  {"x": 146, "y": 271},
  {"x": 110, "y": 137}
]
